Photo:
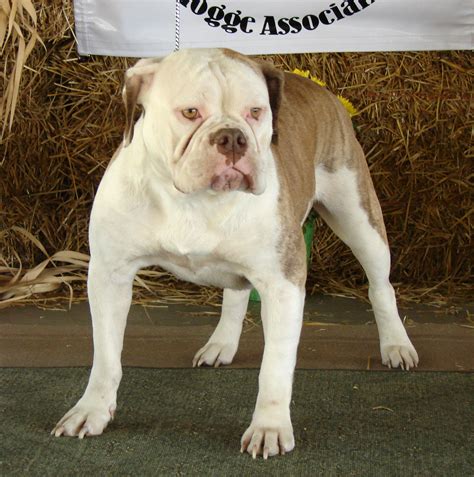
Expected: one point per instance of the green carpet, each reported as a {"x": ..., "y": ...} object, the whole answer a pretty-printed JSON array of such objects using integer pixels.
[{"x": 189, "y": 422}]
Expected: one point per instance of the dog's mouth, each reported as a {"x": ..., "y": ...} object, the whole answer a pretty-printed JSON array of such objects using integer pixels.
[
  {"x": 229, "y": 180},
  {"x": 232, "y": 179}
]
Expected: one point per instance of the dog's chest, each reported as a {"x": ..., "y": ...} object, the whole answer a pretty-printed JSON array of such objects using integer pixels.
[
  {"x": 203, "y": 270},
  {"x": 201, "y": 250}
]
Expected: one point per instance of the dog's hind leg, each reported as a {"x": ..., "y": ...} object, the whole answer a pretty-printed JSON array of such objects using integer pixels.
[
  {"x": 346, "y": 200},
  {"x": 223, "y": 343}
]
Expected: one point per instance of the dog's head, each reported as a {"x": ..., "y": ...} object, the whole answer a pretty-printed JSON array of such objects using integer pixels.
[{"x": 209, "y": 116}]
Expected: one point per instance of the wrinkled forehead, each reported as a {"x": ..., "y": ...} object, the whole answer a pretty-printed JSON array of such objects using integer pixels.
[{"x": 190, "y": 75}]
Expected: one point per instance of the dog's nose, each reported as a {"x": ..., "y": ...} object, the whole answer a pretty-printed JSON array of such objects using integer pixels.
[{"x": 231, "y": 142}]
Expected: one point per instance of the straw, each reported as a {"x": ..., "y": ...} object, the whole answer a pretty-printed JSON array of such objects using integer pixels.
[{"x": 62, "y": 118}]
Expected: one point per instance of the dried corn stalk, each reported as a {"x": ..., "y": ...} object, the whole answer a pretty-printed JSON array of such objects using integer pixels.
[{"x": 17, "y": 28}]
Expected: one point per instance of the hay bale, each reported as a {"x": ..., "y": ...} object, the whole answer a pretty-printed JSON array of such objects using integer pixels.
[{"x": 414, "y": 125}]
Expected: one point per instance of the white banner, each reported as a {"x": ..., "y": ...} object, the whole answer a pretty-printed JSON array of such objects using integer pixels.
[{"x": 156, "y": 27}]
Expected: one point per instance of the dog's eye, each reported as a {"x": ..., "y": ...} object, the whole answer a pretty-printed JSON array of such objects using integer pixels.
[
  {"x": 255, "y": 112},
  {"x": 190, "y": 113}
]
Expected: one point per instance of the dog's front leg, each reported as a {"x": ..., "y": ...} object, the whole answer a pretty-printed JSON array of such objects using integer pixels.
[
  {"x": 110, "y": 294},
  {"x": 271, "y": 431}
]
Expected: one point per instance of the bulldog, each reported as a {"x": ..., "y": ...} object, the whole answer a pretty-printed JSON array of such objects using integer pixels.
[{"x": 213, "y": 183}]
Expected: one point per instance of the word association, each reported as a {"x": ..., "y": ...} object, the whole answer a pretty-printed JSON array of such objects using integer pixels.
[{"x": 234, "y": 21}]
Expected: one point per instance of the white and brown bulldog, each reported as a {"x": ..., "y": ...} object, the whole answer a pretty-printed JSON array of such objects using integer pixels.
[{"x": 213, "y": 183}]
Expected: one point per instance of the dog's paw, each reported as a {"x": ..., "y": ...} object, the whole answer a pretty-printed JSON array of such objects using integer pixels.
[
  {"x": 215, "y": 354},
  {"x": 84, "y": 420},
  {"x": 268, "y": 440},
  {"x": 399, "y": 355}
]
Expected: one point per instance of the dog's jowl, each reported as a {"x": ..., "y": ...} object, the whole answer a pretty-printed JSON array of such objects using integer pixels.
[{"x": 213, "y": 183}]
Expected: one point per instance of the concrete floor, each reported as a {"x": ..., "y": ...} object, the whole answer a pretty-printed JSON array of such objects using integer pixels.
[{"x": 338, "y": 333}]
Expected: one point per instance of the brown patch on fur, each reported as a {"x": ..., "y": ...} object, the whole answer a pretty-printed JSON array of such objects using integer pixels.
[
  {"x": 294, "y": 156},
  {"x": 292, "y": 250},
  {"x": 314, "y": 129}
]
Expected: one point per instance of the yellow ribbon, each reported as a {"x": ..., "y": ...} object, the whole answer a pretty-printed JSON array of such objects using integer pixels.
[{"x": 344, "y": 101}]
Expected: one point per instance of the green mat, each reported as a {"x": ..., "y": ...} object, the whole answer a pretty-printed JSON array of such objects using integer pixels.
[{"x": 189, "y": 422}]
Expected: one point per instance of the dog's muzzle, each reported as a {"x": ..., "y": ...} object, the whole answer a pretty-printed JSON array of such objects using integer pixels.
[{"x": 234, "y": 172}]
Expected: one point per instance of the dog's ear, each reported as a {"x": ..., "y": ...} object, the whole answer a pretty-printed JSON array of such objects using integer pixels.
[
  {"x": 138, "y": 79},
  {"x": 275, "y": 82}
]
